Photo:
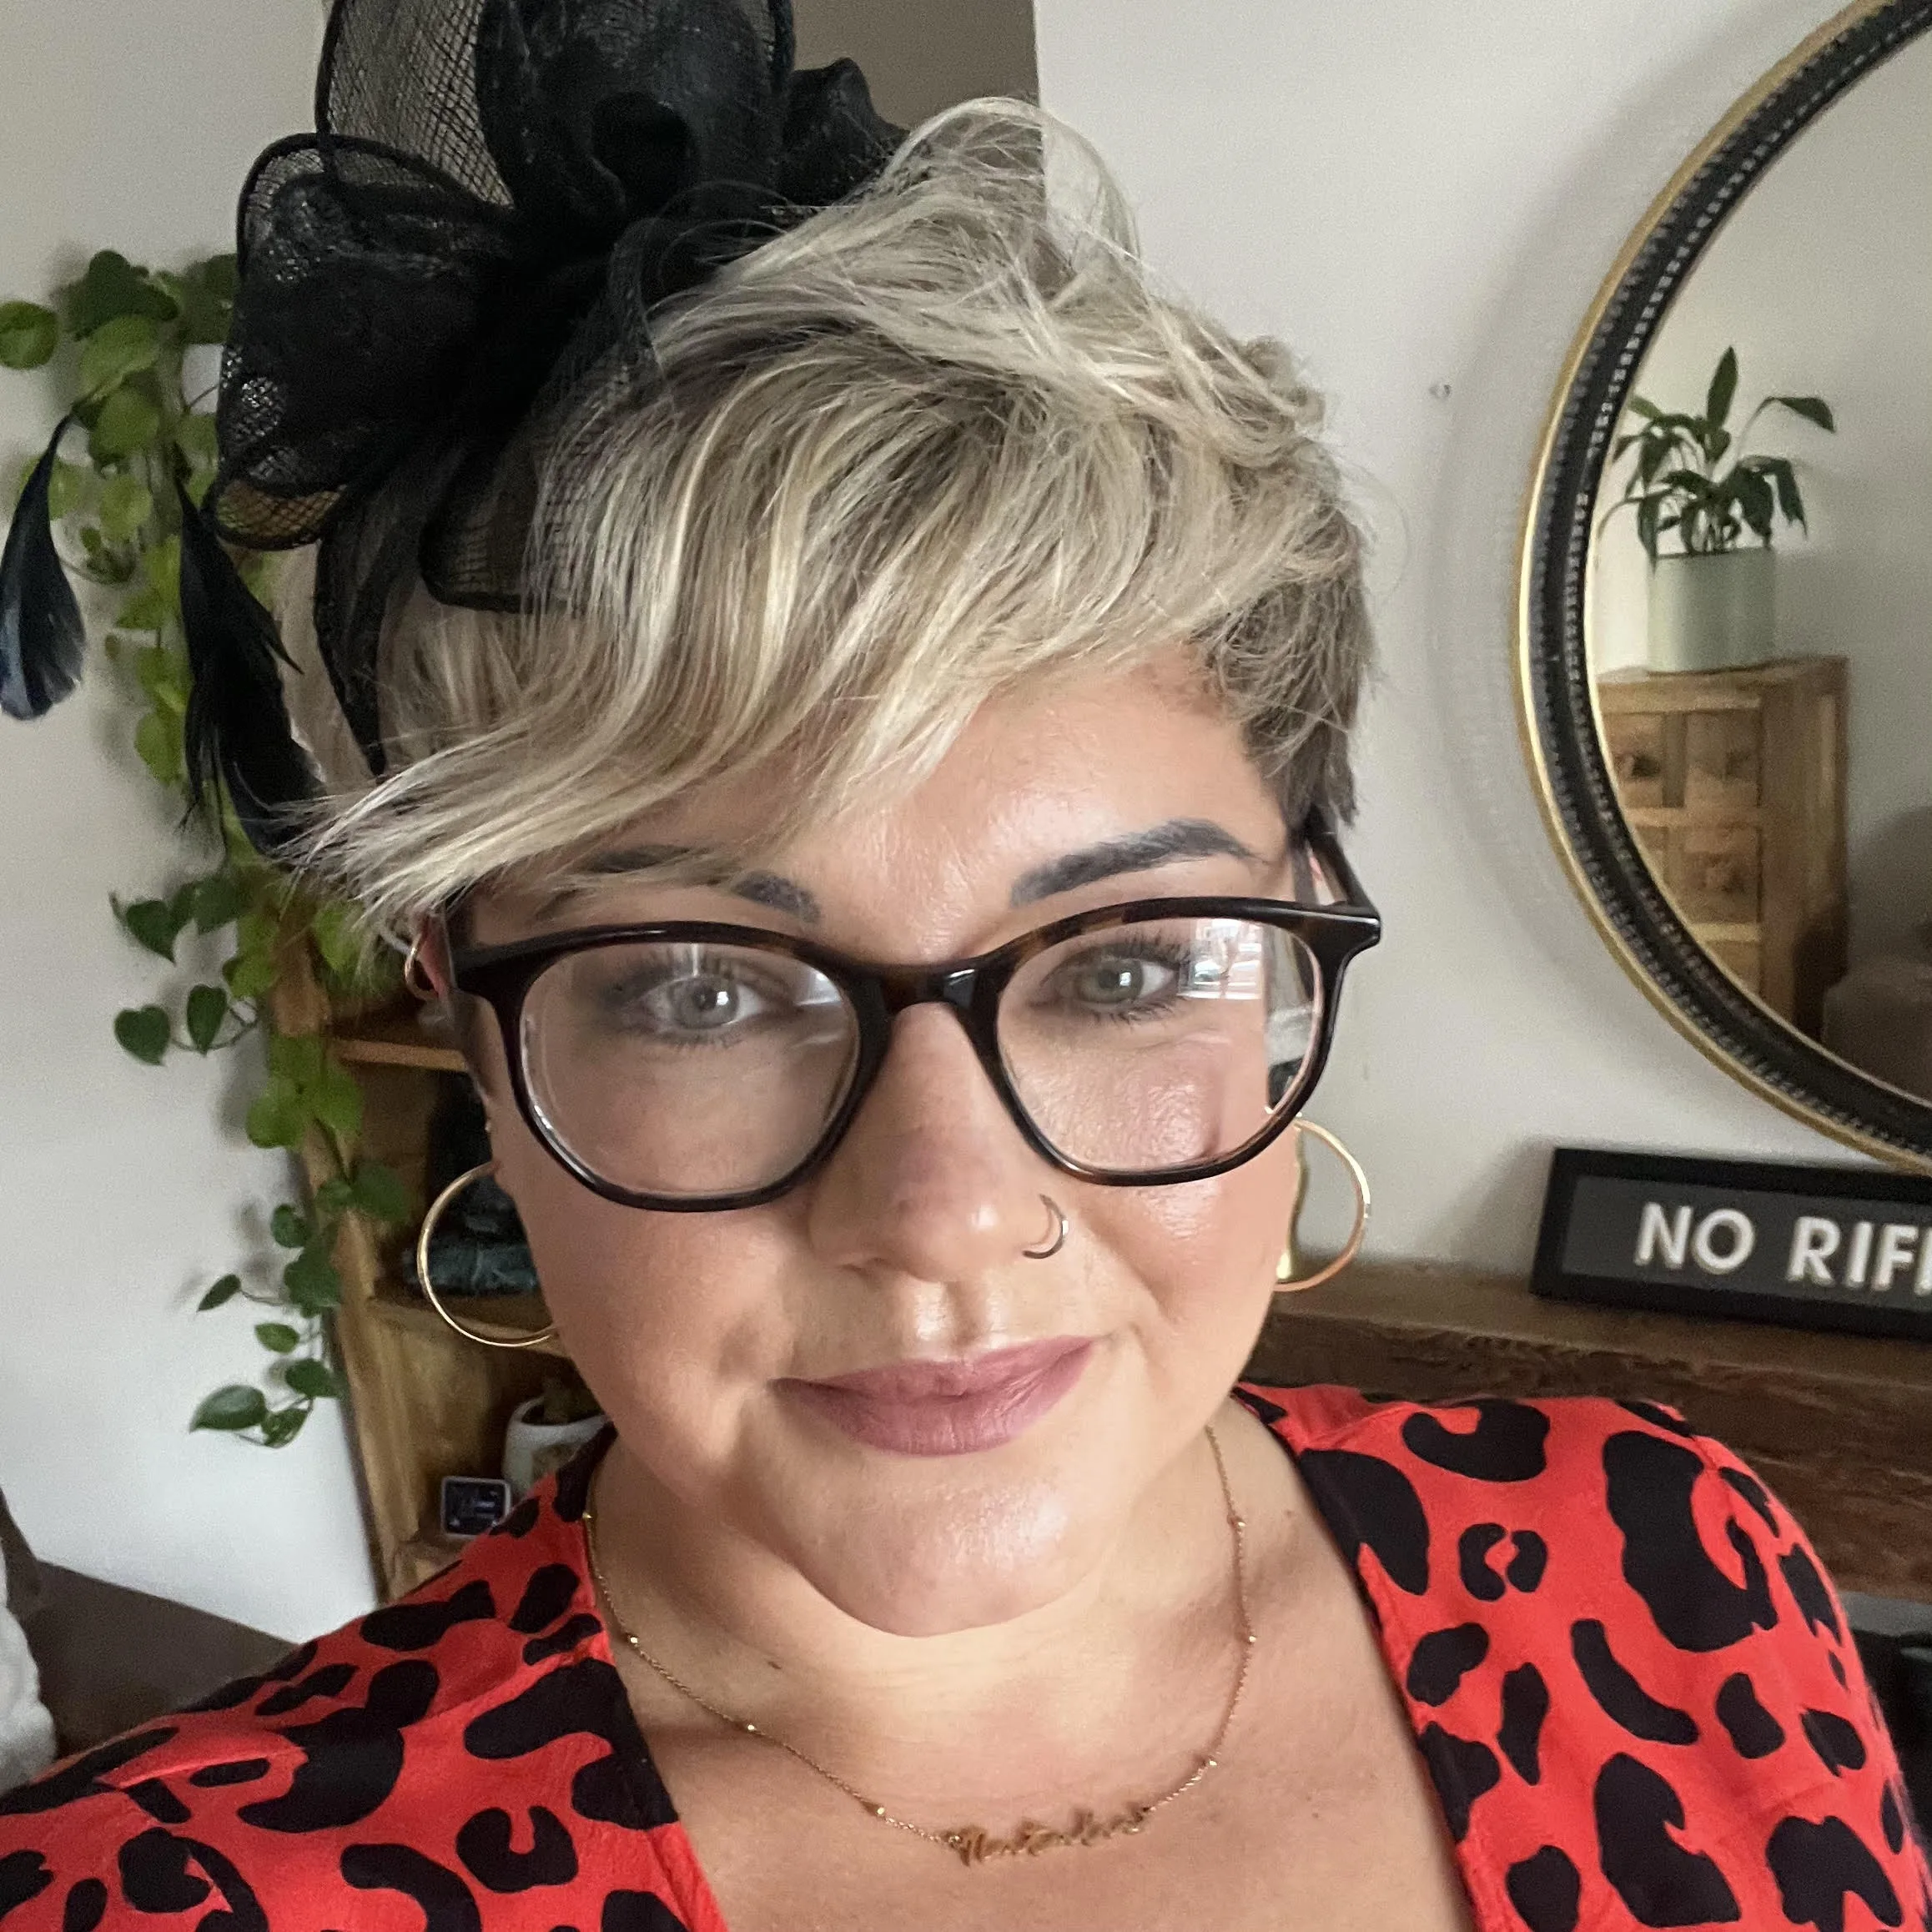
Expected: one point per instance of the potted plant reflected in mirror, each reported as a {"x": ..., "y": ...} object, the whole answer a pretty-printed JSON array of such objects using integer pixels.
[{"x": 1699, "y": 495}]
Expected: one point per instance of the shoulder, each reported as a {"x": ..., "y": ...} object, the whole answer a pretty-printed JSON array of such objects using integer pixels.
[
  {"x": 1619, "y": 1651},
  {"x": 1623, "y": 1502},
  {"x": 1434, "y": 1489},
  {"x": 373, "y": 1759}
]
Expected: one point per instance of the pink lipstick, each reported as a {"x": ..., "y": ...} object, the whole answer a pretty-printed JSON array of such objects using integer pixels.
[{"x": 949, "y": 1408}]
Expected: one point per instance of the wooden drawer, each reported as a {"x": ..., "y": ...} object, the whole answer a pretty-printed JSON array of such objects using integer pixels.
[
  {"x": 1705, "y": 761},
  {"x": 1635, "y": 742},
  {"x": 1733, "y": 782},
  {"x": 1712, "y": 871}
]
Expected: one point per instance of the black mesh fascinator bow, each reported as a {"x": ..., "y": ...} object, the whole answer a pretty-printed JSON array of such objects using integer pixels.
[{"x": 464, "y": 254}]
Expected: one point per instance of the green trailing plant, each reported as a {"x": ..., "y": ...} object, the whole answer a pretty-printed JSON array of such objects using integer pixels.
[
  {"x": 119, "y": 337},
  {"x": 1690, "y": 479}
]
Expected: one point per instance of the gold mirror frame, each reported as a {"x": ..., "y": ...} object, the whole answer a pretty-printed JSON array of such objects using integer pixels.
[{"x": 1554, "y": 688}]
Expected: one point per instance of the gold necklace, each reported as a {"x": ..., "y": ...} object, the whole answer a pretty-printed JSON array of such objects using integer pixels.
[{"x": 974, "y": 1844}]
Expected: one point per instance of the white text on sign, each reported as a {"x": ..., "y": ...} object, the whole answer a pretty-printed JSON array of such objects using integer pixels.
[{"x": 1824, "y": 1253}]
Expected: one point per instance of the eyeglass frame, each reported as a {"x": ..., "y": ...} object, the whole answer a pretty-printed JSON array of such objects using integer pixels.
[{"x": 500, "y": 977}]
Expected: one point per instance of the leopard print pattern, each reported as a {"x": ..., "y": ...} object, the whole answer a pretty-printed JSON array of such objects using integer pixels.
[{"x": 1631, "y": 1686}]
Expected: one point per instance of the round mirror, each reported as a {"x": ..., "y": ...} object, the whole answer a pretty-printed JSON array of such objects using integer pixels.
[{"x": 1726, "y": 638}]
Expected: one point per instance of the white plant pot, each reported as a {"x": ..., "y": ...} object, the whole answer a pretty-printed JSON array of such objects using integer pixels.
[
  {"x": 1713, "y": 613},
  {"x": 531, "y": 1449}
]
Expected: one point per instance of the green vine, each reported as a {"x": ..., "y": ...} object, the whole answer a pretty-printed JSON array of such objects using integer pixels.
[{"x": 125, "y": 331}]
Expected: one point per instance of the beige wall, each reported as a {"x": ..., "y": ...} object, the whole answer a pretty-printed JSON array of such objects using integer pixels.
[
  {"x": 922, "y": 55},
  {"x": 1423, "y": 198}
]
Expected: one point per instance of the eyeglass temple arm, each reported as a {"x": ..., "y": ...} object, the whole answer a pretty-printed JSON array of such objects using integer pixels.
[{"x": 1320, "y": 837}]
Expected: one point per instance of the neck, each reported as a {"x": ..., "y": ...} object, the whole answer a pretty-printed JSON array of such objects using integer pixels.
[{"x": 737, "y": 1622}]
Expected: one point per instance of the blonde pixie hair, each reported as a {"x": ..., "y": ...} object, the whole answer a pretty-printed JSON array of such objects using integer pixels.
[{"x": 942, "y": 440}]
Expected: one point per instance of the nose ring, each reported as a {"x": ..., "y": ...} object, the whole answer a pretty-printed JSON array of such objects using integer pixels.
[{"x": 1059, "y": 1240}]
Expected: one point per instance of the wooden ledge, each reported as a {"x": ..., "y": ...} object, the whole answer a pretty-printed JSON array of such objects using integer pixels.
[{"x": 1839, "y": 1425}]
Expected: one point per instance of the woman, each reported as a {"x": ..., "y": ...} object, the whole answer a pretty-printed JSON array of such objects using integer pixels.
[{"x": 791, "y": 630}]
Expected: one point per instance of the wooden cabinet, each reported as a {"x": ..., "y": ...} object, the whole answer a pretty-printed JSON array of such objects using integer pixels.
[{"x": 1734, "y": 783}]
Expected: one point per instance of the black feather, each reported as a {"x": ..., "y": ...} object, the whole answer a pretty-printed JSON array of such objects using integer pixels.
[
  {"x": 42, "y": 637},
  {"x": 237, "y": 729}
]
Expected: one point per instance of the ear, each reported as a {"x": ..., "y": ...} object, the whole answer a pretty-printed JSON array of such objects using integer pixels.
[{"x": 427, "y": 971}]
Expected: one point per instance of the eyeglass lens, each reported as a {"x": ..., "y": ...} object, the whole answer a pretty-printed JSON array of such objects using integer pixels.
[{"x": 683, "y": 1069}]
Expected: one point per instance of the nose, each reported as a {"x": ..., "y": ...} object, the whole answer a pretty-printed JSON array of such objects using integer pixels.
[{"x": 932, "y": 1178}]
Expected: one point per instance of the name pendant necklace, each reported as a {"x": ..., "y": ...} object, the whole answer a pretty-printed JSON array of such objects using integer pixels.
[{"x": 973, "y": 1845}]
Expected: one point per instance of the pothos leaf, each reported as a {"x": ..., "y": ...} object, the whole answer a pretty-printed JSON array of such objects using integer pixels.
[
  {"x": 279, "y": 1116},
  {"x": 312, "y": 1378},
  {"x": 128, "y": 421},
  {"x": 337, "y": 1100},
  {"x": 234, "y": 1407},
  {"x": 289, "y": 1227},
  {"x": 226, "y": 1289},
  {"x": 113, "y": 286},
  {"x": 143, "y": 1031},
  {"x": 206, "y": 1008},
  {"x": 218, "y": 902},
  {"x": 121, "y": 347},
  {"x": 29, "y": 334},
  {"x": 283, "y": 1425},
  {"x": 280, "y": 1426},
  {"x": 153, "y": 923},
  {"x": 312, "y": 1280}
]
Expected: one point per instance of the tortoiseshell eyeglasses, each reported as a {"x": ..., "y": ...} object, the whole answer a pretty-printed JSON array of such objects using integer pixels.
[{"x": 688, "y": 1065}]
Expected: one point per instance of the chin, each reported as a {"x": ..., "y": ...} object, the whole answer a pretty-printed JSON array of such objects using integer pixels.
[
  {"x": 903, "y": 1554},
  {"x": 934, "y": 1584}
]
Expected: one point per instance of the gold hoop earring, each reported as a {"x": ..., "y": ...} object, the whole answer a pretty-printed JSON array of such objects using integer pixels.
[
  {"x": 415, "y": 974},
  {"x": 1059, "y": 1240},
  {"x": 423, "y": 1235},
  {"x": 1284, "y": 1274}
]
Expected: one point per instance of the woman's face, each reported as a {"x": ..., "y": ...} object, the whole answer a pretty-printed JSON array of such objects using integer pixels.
[{"x": 710, "y": 1338}]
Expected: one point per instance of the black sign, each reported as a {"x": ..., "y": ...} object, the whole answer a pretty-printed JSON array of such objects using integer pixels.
[{"x": 1814, "y": 1247}]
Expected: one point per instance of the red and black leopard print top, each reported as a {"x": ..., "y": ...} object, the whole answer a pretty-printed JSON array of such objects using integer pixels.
[{"x": 1633, "y": 1688}]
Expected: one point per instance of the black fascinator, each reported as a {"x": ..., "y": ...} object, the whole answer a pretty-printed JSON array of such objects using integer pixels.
[{"x": 464, "y": 254}]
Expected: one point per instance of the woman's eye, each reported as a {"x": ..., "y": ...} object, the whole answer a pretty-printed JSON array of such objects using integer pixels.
[
  {"x": 690, "y": 1003},
  {"x": 1118, "y": 980},
  {"x": 701, "y": 1004}
]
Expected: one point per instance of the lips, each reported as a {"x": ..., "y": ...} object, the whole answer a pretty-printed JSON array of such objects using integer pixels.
[{"x": 949, "y": 1408}]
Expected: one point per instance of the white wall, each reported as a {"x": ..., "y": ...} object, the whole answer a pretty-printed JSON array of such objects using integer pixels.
[
  {"x": 1822, "y": 280},
  {"x": 1423, "y": 198},
  {"x": 128, "y": 124}
]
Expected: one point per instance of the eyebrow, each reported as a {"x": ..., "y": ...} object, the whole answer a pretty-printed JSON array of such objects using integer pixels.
[
  {"x": 1137, "y": 852},
  {"x": 762, "y": 888}
]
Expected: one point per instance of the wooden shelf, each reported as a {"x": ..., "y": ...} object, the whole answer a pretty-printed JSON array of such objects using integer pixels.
[
  {"x": 418, "y": 1559},
  {"x": 395, "y": 1040},
  {"x": 422, "y": 1403},
  {"x": 1841, "y": 1425}
]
